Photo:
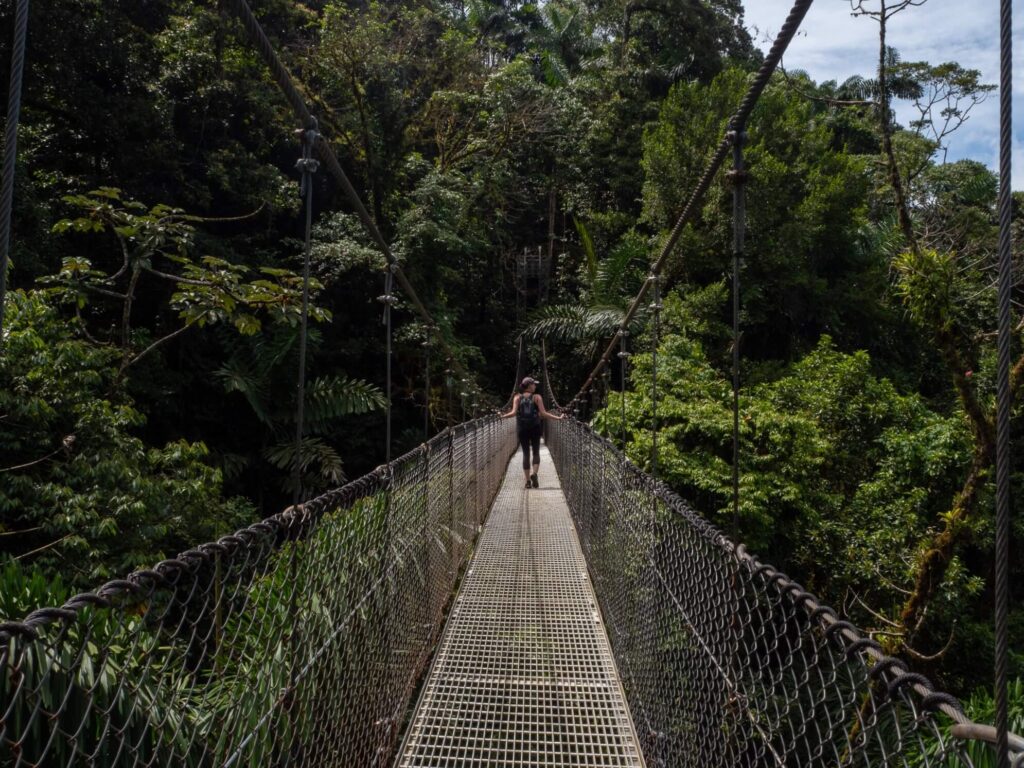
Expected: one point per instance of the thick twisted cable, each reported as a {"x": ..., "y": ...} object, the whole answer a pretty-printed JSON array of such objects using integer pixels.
[
  {"x": 893, "y": 684},
  {"x": 11, "y": 147},
  {"x": 737, "y": 123},
  {"x": 1003, "y": 404}
]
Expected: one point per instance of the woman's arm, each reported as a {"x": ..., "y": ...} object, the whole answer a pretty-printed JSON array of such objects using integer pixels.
[
  {"x": 515, "y": 404},
  {"x": 544, "y": 412}
]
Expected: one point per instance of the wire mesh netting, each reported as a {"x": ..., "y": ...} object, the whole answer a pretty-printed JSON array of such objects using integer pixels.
[
  {"x": 523, "y": 676},
  {"x": 726, "y": 661},
  {"x": 300, "y": 640}
]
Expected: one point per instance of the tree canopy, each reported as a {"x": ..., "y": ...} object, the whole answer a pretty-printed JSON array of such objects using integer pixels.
[{"x": 151, "y": 335}]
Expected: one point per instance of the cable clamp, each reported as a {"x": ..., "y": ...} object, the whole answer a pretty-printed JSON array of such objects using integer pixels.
[
  {"x": 735, "y": 137},
  {"x": 307, "y": 165}
]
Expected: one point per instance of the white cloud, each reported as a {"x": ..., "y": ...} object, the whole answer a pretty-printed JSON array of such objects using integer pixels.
[{"x": 832, "y": 45}]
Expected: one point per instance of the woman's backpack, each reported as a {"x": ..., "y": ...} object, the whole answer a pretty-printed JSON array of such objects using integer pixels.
[{"x": 527, "y": 414}]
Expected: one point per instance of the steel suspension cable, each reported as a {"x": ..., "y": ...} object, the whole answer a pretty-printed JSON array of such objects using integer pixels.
[
  {"x": 307, "y": 165},
  {"x": 1003, "y": 407},
  {"x": 11, "y": 147},
  {"x": 288, "y": 87},
  {"x": 655, "y": 308},
  {"x": 606, "y": 378},
  {"x": 624, "y": 357},
  {"x": 692, "y": 206},
  {"x": 549, "y": 390},
  {"x": 738, "y": 175},
  {"x": 449, "y": 375},
  {"x": 388, "y": 300},
  {"x": 426, "y": 387}
]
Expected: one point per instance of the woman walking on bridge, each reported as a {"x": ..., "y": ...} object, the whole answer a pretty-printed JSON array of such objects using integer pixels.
[{"x": 528, "y": 408}]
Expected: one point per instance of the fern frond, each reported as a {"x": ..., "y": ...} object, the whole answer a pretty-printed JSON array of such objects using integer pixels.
[
  {"x": 318, "y": 463},
  {"x": 559, "y": 322},
  {"x": 588, "y": 249},
  {"x": 242, "y": 375},
  {"x": 331, "y": 397},
  {"x": 620, "y": 273}
]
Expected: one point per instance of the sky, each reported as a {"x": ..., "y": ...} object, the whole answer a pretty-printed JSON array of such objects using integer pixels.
[{"x": 832, "y": 45}]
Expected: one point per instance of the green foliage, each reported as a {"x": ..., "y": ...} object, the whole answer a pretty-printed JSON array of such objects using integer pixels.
[
  {"x": 262, "y": 371},
  {"x": 806, "y": 203},
  {"x": 81, "y": 491},
  {"x": 841, "y": 475},
  {"x": 472, "y": 131},
  {"x": 608, "y": 286},
  {"x": 981, "y": 707},
  {"x": 157, "y": 242},
  {"x": 191, "y": 672}
]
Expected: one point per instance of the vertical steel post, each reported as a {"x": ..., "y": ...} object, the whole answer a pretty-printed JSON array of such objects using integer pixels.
[
  {"x": 1003, "y": 394},
  {"x": 11, "y": 147},
  {"x": 307, "y": 165},
  {"x": 623, "y": 357},
  {"x": 655, "y": 308},
  {"x": 426, "y": 386},
  {"x": 738, "y": 175}
]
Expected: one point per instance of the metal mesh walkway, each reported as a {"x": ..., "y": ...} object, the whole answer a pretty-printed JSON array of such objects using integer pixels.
[{"x": 524, "y": 674}]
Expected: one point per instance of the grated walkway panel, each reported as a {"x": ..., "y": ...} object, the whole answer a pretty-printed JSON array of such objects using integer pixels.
[{"x": 524, "y": 675}]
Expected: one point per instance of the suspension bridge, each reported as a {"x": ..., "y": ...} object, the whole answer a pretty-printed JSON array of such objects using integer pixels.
[{"x": 436, "y": 613}]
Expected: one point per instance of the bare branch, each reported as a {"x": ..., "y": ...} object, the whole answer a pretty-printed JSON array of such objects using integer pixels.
[
  {"x": 885, "y": 620},
  {"x": 796, "y": 88},
  {"x": 65, "y": 446},
  {"x": 155, "y": 344},
  {"x": 45, "y": 547},
  {"x": 918, "y": 656},
  {"x": 177, "y": 279}
]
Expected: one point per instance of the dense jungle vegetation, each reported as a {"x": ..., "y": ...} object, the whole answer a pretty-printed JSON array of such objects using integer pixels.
[{"x": 151, "y": 333}]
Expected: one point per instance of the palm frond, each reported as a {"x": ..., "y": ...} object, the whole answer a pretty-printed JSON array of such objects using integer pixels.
[
  {"x": 272, "y": 348},
  {"x": 573, "y": 323},
  {"x": 559, "y": 322},
  {"x": 331, "y": 397},
  {"x": 619, "y": 274},
  {"x": 588, "y": 249},
  {"x": 318, "y": 463},
  {"x": 241, "y": 374},
  {"x": 603, "y": 321},
  {"x": 555, "y": 71}
]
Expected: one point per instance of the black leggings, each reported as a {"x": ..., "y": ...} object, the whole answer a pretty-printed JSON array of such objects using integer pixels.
[{"x": 528, "y": 437}]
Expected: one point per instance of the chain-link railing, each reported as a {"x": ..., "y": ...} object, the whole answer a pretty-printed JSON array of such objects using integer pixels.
[
  {"x": 298, "y": 641},
  {"x": 727, "y": 662}
]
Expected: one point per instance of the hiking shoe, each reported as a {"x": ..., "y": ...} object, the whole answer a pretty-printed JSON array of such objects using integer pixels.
[{"x": 535, "y": 481}]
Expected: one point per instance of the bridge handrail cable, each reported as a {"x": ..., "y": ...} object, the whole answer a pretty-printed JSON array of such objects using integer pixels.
[
  {"x": 615, "y": 505},
  {"x": 737, "y": 124}
]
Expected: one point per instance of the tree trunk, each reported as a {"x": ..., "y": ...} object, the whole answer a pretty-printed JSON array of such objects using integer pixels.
[
  {"x": 940, "y": 550},
  {"x": 902, "y": 209}
]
